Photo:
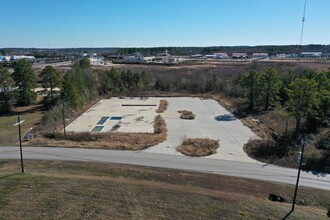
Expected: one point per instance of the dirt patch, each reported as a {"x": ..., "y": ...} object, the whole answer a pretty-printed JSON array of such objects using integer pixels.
[
  {"x": 188, "y": 115},
  {"x": 199, "y": 147},
  {"x": 257, "y": 127}
]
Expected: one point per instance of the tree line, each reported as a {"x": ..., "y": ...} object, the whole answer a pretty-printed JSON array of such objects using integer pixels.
[
  {"x": 305, "y": 96},
  {"x": 271, "y": 49}
]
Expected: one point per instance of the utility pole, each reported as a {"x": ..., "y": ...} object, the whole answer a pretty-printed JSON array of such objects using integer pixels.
[
  {"x": 303, "y": 143},
  {"x": 303, "y": 22},
  {"x": 19, "y": 122}
]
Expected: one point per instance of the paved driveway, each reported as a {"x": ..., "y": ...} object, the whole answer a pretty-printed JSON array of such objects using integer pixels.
[{"x": 212, "y": 121}]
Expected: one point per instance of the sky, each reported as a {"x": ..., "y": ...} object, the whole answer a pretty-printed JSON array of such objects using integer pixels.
[{"x": 155, "y": 23}]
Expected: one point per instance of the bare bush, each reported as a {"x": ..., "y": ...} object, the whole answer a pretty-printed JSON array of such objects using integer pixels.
[
  {"x": 198, "y": 147},
  {"x": 187, "y": 115},
  {"x": 162, "y": 106},
  {"x": 159, "y": 125}
]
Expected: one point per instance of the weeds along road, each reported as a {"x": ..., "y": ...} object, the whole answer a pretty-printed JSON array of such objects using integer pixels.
[{"x": 224, "y": 167}]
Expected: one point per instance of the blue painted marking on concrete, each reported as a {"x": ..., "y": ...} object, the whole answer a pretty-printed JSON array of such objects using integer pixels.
[
  {"x": 116, "y": 118},
  {"x": 102, "y": 120},
  {"x": 97, "y": 128}
]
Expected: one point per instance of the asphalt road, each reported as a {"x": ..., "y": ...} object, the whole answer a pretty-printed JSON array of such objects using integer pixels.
[{"x": 208, "y": 165}]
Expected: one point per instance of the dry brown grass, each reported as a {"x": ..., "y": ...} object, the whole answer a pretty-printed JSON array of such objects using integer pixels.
[
  {"x": 188, "y": 115},
  {"x": 159, "y": 125},
  {"x": 276, "y": 121},
  {"x": 117, "y": 141},
  {"x": 162, "y": 106},
  {"x": 199, "y": 147}
]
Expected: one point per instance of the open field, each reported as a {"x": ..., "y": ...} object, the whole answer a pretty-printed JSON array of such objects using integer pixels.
[
  {"x": 226, "y": 70},
  {"x": 54, "y": 189},
  {"x": 8, "y": 133}
]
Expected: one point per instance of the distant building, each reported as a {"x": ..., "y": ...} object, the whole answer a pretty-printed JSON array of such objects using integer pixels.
[
  {"x": 134, "y": 58},
  {"x": 260, "y": 55},
  {"x": 166, "y": 57},
  {"x": 116, "y": 56},
  {"x": 239, "y": 55},
  {"x": 281, "y": 55},
  {"x": 196, "y": 56},
  {"x": 291, "y": 55},
  {"x": 221, "y": 55},
  {"x": 212, "y": 56},
  {"x": 96, "y": 61},
  {"x": 148, "y": 59},
  {"x": 19, "y": 57},
  {"x": 137, "y": 58},
  {"x": 326, "y": 55},
  {"x": 217, "y": 55},
  {"x": 311, "y": 54}
]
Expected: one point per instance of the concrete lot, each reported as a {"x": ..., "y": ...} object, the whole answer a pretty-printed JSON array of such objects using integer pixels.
[
  {"x": 212, "y": 121},
  {"x": 119, "y": 115}
]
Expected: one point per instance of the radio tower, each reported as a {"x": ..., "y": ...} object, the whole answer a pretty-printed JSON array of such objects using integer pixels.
[{"x": 303, "y": 22}]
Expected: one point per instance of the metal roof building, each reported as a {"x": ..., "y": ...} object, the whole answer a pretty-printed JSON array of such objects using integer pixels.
[
  {"x": 311, "y": 54},
  {"x": 239, "y": 55},
  {"x": 221, "y": 55},
  {"x": 260, "y": 55}
]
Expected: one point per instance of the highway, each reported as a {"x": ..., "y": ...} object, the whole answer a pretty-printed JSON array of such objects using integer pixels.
[{"x": 257, "y": 171}]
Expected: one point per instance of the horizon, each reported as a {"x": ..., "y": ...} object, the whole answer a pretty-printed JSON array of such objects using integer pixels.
[
  {"x": 58, "y": 48},
  {"x": 150, "y": 24}
]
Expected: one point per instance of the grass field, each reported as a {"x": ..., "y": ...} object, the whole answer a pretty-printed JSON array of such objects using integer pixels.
[
  {"x": 8, "y": 133},
  {"x": 74, "y": 190}
]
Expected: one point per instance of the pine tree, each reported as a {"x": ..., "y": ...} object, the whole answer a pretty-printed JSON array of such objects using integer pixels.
[
  {"x": 6, "y": 94},
  {"x": 50, "y": 79},
  {"x": 252, "y": 84},
  {"x": 303, "y": 99},
  {"x": 26, "y": 81},
  {"x": 272, "y": 86}
]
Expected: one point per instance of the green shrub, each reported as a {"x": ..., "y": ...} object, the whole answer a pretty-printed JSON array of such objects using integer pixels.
[
  {"x": 324, "y": 143},
  {"x": 264, "y": 149},
  {"x": 52, "y": 115},
  {"x": 53, "y": 135}
]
